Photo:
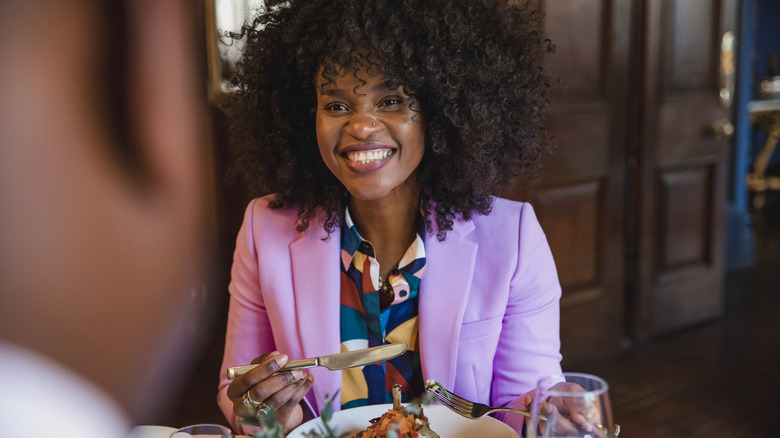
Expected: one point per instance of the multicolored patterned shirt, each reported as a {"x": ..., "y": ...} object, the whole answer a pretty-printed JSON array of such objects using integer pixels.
[{"x": 365, "y": 323}]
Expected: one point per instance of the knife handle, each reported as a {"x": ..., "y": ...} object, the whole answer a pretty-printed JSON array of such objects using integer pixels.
[
  {"x": 302, "y": 363},
  {"x": 234, "y": 372}
]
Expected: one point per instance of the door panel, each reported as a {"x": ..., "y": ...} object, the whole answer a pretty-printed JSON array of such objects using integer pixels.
[
  {"x": 688, "y": 64},
  {"x": 633, "y": 198},
  {"x": 579, "y": 29},
  {"x": 570, "y": 215},
  {"x": 580, "y": 198},
  {"x": 681, "y": 169},
  {"x": 683, "y": 222}
]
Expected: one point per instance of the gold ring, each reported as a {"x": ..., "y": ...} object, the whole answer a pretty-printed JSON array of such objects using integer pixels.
[
  {"x": 262, "y": 411},
  {"x": 249, "y": 402}
]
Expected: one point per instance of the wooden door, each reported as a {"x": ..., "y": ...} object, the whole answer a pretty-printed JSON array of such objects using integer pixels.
[
  {"x": 580, "y": 200},
  {"x": 677, "y": 274},
  {"x": 633, "y": 199}
]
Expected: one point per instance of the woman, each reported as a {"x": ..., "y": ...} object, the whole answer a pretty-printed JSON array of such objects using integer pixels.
[{"x": 383, "y": 131}]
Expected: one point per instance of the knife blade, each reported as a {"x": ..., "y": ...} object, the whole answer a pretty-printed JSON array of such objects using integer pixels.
[{"x": 338, "y": 361}]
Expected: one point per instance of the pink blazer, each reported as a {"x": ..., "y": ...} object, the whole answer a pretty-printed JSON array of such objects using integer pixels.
[{"x": 488, "y": 309}]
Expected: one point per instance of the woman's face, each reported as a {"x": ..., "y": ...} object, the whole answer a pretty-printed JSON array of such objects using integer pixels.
[{"x": 368, "y": 135}]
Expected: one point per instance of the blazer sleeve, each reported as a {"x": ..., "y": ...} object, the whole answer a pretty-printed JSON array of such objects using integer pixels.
[
  {"x": 248, "y": 333},
  {"x": 529, "y": 347}
]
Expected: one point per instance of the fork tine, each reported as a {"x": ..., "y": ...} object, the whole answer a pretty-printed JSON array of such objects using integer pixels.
[
  {"x": 443, "y": 400},
  {"x": 446, "y": 401},
  {"x": 466, "y": 406},
  {"x": 442, "y": 397},
  {"x": 453, "y": 404},
  {"x": 458, "y": 398},
  {"x": 453, "y": 399},
  {"x": 457, "y": 409}
]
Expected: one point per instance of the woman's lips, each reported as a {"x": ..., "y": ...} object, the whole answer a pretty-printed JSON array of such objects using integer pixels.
[
  {"x": 364, "y": 157},
  {"x": 367, "y": 160}
]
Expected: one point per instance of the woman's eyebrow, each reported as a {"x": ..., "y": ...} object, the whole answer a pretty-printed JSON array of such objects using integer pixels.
[
  {"x": 338, "y": 91},
  {"x": 332, "y": 91}
]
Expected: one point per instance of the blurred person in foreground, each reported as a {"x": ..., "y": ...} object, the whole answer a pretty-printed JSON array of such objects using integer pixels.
[{"x": 103, "y": 191}]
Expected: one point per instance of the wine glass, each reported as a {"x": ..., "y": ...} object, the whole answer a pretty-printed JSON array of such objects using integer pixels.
[
  {"x": 572, "y": 405},
  {"x": 203, "y": 430}
]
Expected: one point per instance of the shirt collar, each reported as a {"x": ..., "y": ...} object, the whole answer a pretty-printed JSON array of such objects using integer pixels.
[{"x": 350, "y": 240}]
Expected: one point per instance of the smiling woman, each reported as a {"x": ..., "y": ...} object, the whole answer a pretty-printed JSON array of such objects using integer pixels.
[
  {"x": 476, "y": 75},
  {"x": 370, "y": 137},
  {"x": 380, "y": 133}
]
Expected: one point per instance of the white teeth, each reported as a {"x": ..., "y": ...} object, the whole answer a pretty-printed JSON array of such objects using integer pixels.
[{"x": 365, "y": 157}]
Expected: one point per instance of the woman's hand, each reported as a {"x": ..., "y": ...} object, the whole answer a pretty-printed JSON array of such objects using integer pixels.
[
  {"x": 264, "y": 384},
  {"x": 573, "y": 414}
]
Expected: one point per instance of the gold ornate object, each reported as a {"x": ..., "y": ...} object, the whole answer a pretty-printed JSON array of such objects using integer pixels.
[{"x": 766, "y": 115}]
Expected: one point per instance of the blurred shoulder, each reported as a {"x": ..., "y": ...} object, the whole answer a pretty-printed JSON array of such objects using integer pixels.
[{"x": 88, "y": 413}]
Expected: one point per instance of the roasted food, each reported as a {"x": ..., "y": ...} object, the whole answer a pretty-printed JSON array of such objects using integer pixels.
[{"x": 406, "y": 422}]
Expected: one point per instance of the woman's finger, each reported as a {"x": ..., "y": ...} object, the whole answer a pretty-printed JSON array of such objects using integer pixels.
[
  {"x": 284, "y": 394},
  {"x": 274, "y": 388},
  {"x": 584, "y": 414},
  {"x": 559, "y": 422},
  {"x": 242, "y": 410},
  {"x": 266, "y": 367},
  {"x": 290, "y": 412},
  {"x": 262, "y": 357}
]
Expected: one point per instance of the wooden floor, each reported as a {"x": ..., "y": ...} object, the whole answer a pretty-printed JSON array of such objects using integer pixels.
[{"x": 721, "y": 379}]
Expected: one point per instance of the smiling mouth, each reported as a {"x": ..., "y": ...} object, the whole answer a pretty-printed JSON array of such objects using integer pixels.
[{"x": 365, "y": 157}]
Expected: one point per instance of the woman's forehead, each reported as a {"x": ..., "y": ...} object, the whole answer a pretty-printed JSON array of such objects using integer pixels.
[{"x": 356, "y": 78}]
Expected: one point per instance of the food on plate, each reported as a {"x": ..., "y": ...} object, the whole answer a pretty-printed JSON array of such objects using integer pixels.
[{"x": 405, "y": 422}]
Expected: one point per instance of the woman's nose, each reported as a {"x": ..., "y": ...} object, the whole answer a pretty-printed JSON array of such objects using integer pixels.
[{"x": 363, "y": 125}]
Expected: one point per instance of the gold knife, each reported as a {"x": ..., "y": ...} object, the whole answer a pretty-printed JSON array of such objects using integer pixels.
[{"x": 337, "y": 361}]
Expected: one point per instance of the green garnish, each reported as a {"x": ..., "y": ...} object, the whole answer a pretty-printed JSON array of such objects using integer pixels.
[
  {"x": 326, "y": 415},
  {"x": 272, "y": 429},
  {"x": 434, "y": 386}
]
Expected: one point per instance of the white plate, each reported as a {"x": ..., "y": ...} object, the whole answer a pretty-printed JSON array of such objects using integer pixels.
[
  {"x": 442, "y": 420},
  {"x": 162, "y": 432},
  {"x": 152, "y": 432}
]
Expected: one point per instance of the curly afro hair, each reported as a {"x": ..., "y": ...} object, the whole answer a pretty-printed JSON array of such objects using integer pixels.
[{"x": 473, "y": 66}]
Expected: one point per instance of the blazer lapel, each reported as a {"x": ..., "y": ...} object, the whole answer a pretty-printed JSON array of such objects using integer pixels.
[
  {"x": 443, "y": 294},
  {"x": 316, "y": 279}
]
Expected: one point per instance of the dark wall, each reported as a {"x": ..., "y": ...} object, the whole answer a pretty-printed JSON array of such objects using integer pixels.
[
  {"x": 767, "y": 35},
  {"x": 767, "y": 45}
]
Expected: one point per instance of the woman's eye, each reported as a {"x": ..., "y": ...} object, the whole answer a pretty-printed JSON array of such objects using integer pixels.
[
  {"x": 391, "y": 101},
  {"x": 337, "y": 107}
]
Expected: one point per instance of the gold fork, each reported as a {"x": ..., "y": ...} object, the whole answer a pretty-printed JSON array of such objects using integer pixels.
[
  {"x": 467, "y": 408},
  {"x": 472, "y": 410}
]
